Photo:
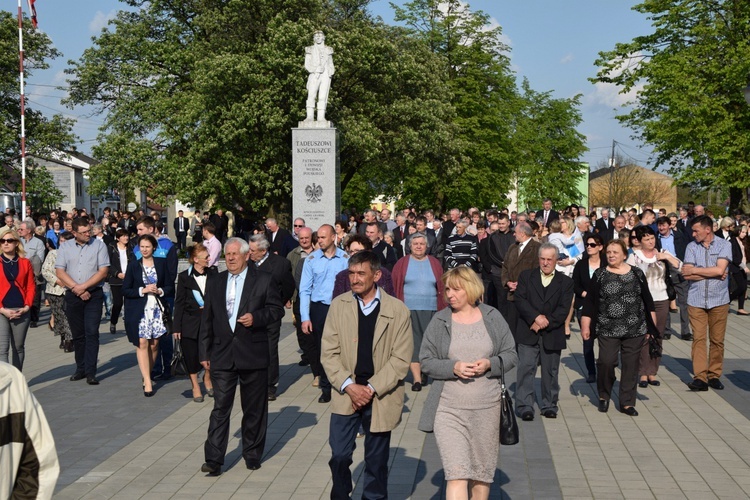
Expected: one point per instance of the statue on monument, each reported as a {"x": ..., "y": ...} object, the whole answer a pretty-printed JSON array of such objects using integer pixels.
[{"x": 319, "y": 63}]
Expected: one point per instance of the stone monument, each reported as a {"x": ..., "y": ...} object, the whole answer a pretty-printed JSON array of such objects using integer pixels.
[{"x": 316, "y": 191}]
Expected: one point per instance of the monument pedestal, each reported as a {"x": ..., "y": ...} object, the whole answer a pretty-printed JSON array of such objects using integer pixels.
[{"x": 316, "y": 190}]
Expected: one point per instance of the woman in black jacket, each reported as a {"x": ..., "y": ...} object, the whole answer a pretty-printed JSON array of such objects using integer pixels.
[
  {"x": 188, "y": 308},
  {"x": 582, "y": 273},
  {"x": 146, "y": 281},
  {"x": 120, "y": 255},
  {"x": 738, "y": 267}
]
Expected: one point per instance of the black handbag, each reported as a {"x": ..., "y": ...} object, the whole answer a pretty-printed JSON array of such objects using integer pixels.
[
  {"x": 179, "y": 366},
  {"x": 508, "y": 424},
  {"x": 671, "y": 292},
  {"x": 654, "y": 348},
  {"x": 166, "y": 315}
]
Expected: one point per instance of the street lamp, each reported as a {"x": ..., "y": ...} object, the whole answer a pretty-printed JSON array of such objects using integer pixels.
[{"x": 746, "y": 91}]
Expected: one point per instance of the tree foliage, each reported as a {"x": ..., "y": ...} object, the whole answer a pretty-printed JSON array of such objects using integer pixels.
[
  {"x": 689, "y": 74},
  {"x": 43, "y": 135},
  {"x": 548, "y": 149},
  {"x": 201, "y": 98}
]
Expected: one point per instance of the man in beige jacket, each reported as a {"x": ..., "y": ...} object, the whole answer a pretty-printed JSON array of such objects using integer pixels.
[{"x": 366, "y": 349}]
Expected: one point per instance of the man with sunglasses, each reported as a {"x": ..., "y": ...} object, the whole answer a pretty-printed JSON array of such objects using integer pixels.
[{"x": 81, "y": 266}]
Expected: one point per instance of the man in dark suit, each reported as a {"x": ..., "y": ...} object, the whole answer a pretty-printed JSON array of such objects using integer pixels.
[
  {"x": 241, "y": 303},
  {"x": 498, "y": 243},
  {"x": 400, "y": 233},
  {"x": 181, "y": 227},
  {"x": 519, "y": 257},
  {"x": 604, "y": 224},
  {"x": 612, "y": 230},
  {"x": 220, "y": 222},
  {"x": 281, "y": 269},
  {"x": 675, "y": 242},
  {"x": 386, "y": 252},
  {"x": 546, "y": 214},
  {"x": 683, "y": 224},
  {"x": 282, "y": 242},
  {"x": 369, "y": 217},
  {"x": 449, "y": 226},
  {"x": 542, "y": 299}
]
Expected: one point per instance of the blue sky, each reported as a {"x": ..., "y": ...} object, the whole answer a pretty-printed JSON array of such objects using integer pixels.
[{"x": 553, "y": 43}]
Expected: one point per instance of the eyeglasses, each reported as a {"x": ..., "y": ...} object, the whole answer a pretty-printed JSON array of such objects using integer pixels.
[
  {"x": 299, "y": 225},
  {"x": 5, "y": 240},
  {"x": 592, "y": 245}
]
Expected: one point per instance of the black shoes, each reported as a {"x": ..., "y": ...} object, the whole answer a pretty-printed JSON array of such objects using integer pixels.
[
  {"x": 643, "y": 384},
  {"x": 252, "y": 465},
  {"x": 271, "y": 395},
  {"x": 550, "y": 414},
  {"x": 416, "y": 387},
  {"x": 630, "y": 411},
  {"x": 303, "y": 362},
  {"x": 112, "y": 329},
  {"x": 591, "y": 378},
  {"x": 687, "y": 336},
  {"x": 91, "y": 380},
  {"x": 325, "y": 398},
  {"x": 715, "y": 383},
  {"x": 604, "y": 405},
  {"x": 77, "y": 376},
  {"x": 527, "y": 416},
  {"x": 699, "y": 385},
  {"x": 667, "y": 336},
  {"x": 213, "y": 469},
  {"x": 655, "y": 383}
]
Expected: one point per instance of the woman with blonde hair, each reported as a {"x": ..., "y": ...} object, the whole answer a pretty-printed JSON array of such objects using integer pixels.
[
  {"x": 17, "y": 291},
  {"x": 466, "y": 348}
]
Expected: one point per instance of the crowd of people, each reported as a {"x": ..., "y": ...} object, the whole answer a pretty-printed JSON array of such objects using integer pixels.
[{"x": 378, "y": 300}]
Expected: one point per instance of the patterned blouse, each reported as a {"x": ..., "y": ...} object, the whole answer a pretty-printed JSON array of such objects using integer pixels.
[{"x": 621, "y": 310}]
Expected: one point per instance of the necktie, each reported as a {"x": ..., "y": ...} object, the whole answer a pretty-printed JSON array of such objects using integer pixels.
[
  {"x": 545, "y": 217},
  {"x": 182, "y": 228},
  {"x": 232, "y": 294}
]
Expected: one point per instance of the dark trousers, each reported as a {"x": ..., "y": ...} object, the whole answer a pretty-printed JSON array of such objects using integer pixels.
[
  {"x": 181, "y": 240},
  {"x": 529, "y": 357},
  {"x": 254, "y": 400},
  {"x": 163, "y": 362},
  {"x": 318, "y": 313},
  {"x": 342, "y": 438},
  {"x": 116, "y": 303},
  {"x": 588, "y": 349},
  {"x": 84, "y": 317},
  {"x": 274, "y": 334},
  {"x": 630, "y": 354},
  {"x": 501, "y": 293},
  {"x": 305, "y": 342},
  {"x": 37, "y": 303},
  {"x": 489, "y": 290},
  {"x": 681, "y": 286}
]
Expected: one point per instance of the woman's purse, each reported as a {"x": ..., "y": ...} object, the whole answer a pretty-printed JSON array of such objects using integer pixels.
[
  {"x": 671, "y": 292},
  {"x": 508, "y": 424},
  {"x": 179, "y": 366}
]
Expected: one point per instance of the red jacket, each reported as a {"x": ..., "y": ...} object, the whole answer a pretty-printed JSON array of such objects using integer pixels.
[
  {"x": 399, "y": 275},
  {"x": 25, "y": 282}
]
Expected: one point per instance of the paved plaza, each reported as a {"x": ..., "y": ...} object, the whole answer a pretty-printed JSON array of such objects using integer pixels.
[{"x": 115, "y": 443}]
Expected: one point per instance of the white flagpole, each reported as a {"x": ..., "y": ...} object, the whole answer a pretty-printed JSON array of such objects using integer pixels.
[{"x": 23, "y": 113}]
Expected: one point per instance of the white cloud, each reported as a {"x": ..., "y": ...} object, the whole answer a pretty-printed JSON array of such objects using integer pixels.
[
  {"x": 568, "y": 58},
  {"x": 100, "y": 21},
  {"x": 609, "y": 94}
]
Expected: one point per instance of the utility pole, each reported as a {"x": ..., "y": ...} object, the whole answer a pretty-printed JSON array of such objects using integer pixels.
[{"x": 611, "y": 171}]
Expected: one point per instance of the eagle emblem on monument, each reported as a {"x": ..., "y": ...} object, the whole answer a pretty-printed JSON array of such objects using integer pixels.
[{"x": 314, "y": 193}]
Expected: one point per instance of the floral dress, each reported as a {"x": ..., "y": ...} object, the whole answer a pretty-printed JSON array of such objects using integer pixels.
[{"x": 151, "y": 325}]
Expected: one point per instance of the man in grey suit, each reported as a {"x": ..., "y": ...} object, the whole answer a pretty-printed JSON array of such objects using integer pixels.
[{"x": 542, "y": 299}]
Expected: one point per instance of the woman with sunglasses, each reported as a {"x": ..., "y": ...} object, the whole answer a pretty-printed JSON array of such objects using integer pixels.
[
  {"x": 17, "y": 290},
  {"x": 582, "y": 274},
  {"x": 146, "y": 280}
]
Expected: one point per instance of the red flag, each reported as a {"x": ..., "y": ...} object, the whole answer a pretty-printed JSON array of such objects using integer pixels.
[{"x": 32, "y": 9}]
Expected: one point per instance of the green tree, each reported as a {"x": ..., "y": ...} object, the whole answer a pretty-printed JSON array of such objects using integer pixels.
[
  {"x": 483, "y": 92},
  {"x": 200, "y": 98},
  {"x": 42, "y": 190},
  {"x": 689, "y": 75},
  {"x": 43, "y": 135},
  {"x": 548, "y": 148}
]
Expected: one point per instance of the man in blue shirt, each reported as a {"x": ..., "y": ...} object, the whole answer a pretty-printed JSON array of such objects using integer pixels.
[
  {"x": 315, "y": 294},
  {"x": 675, "y": 243},
  {"x": 706, "y": 262}
]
